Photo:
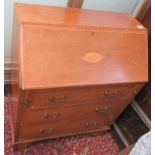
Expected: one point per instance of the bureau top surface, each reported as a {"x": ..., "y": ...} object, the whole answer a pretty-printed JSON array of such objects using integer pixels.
[{"x": 75, "y": 17}]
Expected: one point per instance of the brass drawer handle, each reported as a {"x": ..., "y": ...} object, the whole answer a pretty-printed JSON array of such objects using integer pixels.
[
  {"x": 41, "y": 131},
  {"x": 134, "y": 93},
  {"x": 54, "y": 100},
  {"x": 111, "y": 95},
  {"x": 50, "y": 130},
  {"x": 54, "y": 115},
  {"x": 91, "y": 125},
  {"x": 102, "y": 110}
]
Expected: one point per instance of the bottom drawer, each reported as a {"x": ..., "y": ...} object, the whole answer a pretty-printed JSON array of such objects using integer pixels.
[{"x": 61, "y": 129}]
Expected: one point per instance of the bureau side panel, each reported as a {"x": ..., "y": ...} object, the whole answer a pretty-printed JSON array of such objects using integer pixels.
[{"x": 16, "y": 92}]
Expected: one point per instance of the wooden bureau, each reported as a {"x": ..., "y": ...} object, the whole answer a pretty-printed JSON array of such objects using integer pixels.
[{"x": 77, "y": 70}]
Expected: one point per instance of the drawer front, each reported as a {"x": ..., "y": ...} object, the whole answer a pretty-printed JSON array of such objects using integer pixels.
[
  {"x": 73, "y": 119},
  {"x": 61, "y": 129},
  {"x": 108, "y": 94},
  {"x": 99, "y": 111}
]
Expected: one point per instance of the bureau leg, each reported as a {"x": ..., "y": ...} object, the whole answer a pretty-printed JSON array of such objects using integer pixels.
[
  {"x": 99, "y": 133},
  {"x": 22, "y": 146}
]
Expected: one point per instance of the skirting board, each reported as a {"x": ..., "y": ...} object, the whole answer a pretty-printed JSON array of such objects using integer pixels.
[{"x": 9, "y": 67}]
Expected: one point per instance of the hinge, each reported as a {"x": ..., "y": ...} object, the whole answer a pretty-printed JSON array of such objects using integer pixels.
[
  {"x": 25, "y": 103},
  {"x": 26, "y": 100}
]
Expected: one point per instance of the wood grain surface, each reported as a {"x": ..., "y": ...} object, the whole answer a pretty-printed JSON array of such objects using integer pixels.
[
  {"x": 61, "y": 57},
  {"x": 75, "y": 17}
]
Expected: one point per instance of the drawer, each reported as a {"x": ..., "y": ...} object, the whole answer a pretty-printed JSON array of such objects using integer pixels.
[
  {"x": 64, "y": 128},
  {"x": 54, "y": 97},
  {"x": 76, "y": 112}
]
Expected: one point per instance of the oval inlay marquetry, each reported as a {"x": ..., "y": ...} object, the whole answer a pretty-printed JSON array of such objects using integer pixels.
[{"x": 93, "y": 57}]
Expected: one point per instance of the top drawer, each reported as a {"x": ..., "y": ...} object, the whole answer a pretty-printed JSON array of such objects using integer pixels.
[{"x": 65, "y": 96}]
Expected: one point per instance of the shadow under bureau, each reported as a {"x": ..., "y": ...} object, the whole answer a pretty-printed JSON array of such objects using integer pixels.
[{"x": 77, "y": 70}]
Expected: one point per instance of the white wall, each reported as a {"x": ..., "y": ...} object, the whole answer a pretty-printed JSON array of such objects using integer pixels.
[
  {"x": 129, "y": 6},
  {"x": 126, "y": 6},
  {"x": 8, "y": 17}
]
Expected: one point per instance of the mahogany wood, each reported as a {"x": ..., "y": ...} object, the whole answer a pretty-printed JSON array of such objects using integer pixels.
[
  {"x": 74, "y": 17},
  {"x": 72, "y": 113},
  {"x": 57, "y": 129},
  {"x": 41, "y": 98},
  {"x": 77, "y": 70},
  {"x": 92, "y": 57}
]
